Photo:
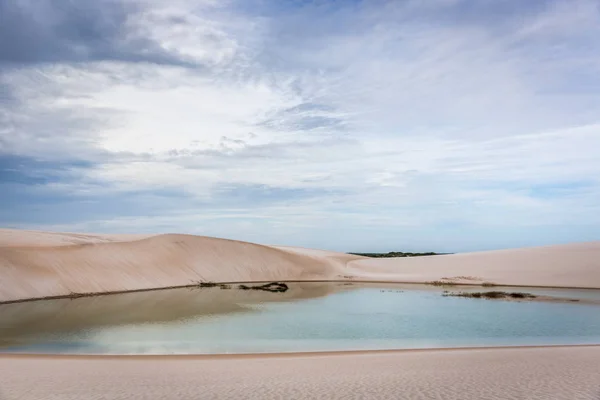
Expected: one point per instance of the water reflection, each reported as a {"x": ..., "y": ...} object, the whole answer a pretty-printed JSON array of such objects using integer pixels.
[
  {"x": 22, "y": 322},
  {"x": 309, "y": 316}
]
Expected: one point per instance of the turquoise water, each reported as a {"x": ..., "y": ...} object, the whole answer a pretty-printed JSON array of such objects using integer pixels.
[{"x": 340, "y": 318}]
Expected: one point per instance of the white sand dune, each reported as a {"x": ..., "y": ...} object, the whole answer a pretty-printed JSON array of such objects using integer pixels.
[
  {"x": 560, "y": 373},
  {"x": 573, "y": 265},
  {"x": 154, "y": 262},
  {"x": 41, "y": 264}
]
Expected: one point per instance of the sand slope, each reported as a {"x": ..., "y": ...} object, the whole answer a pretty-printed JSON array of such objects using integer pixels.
[
  {"x": 40, "y": 264},
  {"x": 573, "y": 265},
  {"x": 567, "y": 373},
  {"x": 154, "y": 262}
]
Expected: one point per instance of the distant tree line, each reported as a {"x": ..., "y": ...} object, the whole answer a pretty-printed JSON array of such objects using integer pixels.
[{"x": 395, "y": 254}]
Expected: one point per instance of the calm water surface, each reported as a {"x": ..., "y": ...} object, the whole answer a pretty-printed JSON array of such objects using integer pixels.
[{"x": 309, "y": 317}]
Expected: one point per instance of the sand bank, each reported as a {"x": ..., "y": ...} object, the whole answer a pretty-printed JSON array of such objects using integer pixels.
[
  {"x": 42, "y": 264},
  {"x": 503, "y": 373}
]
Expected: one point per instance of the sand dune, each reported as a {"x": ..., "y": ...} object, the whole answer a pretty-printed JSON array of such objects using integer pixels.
[
  {"x": 560, "y": 373},
  {"x": 154, "y": 262},
  {"x": 573, "y": 265},
  {"x": 41, "y": 264}
]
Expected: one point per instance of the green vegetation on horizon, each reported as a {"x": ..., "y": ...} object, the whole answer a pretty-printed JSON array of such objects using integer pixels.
[{"x": 395, "y": 254}]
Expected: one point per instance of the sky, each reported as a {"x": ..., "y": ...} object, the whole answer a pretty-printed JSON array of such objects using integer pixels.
[{"x": 408, "y": 125}]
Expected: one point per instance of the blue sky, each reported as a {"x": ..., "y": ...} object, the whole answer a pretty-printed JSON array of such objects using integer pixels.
[{"x": 443, "y": 125}]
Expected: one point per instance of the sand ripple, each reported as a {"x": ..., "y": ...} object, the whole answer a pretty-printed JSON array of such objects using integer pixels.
[{"x": 569, "y": 373}]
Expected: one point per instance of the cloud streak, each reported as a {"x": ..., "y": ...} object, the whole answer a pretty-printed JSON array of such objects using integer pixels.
[{"x": 451, "y": 125}]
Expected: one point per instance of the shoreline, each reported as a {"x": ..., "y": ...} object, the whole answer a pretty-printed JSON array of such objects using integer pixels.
[
  {"x": 300, "y": 354},
  {"x": 74, "y": 296}
]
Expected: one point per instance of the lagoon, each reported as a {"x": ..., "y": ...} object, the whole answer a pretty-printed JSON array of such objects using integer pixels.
[{"x": 309, "y": 317}]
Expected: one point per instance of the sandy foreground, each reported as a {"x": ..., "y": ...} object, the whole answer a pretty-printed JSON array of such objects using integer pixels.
[
  {"x": 550, "y": 373},
  {"x": 36, "y": 264}
]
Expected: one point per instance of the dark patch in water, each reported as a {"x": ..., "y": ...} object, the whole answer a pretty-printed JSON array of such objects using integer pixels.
[{"x": 277, "y": 287}]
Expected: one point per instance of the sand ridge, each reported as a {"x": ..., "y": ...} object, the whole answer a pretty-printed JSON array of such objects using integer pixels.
[
  {"x": 157, "y": 261},
  {"x": 36, "y": 264},
  {"x": 573, "y": 265},
  {"x": 31, "y": 238}
]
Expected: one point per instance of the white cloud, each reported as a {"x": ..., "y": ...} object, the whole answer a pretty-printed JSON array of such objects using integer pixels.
[{"x": 392, "y": 115}]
